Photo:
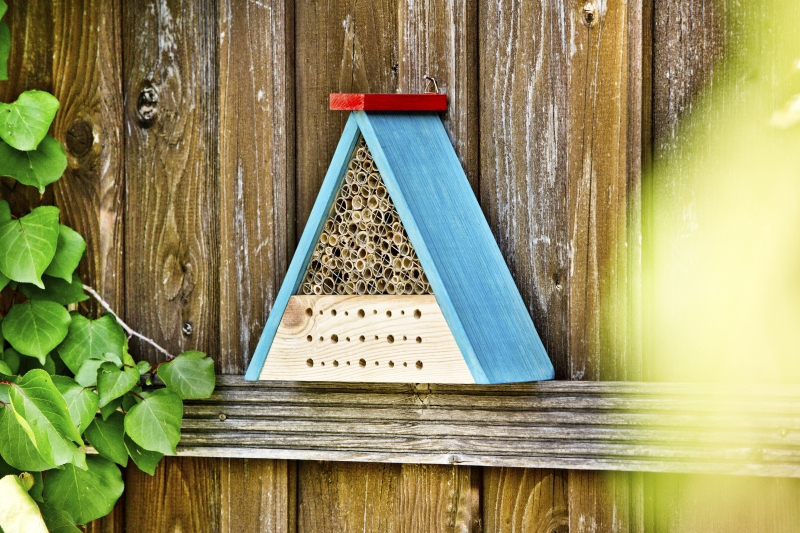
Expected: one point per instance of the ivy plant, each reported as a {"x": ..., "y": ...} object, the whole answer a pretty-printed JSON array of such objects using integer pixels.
[{"x": 75, "y": 406}]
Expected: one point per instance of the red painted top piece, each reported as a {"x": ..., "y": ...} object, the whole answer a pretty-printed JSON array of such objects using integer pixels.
[{"x": 388, "y": 102}]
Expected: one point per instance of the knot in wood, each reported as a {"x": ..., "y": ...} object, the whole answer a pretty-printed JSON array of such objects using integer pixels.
[
  {"x": 589, "y": 13},
  {"x": 80, "y": 138},
  {"x": 147, "y": 106},
  {"x": 187, "y": 329}
]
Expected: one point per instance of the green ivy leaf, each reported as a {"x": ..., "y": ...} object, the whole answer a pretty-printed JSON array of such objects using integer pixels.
[
  {"x": 27, "y": 364},
  {"x": 24, "y": 123},
  {"x": 37, "y": 168},
  {"x": 84, "y": 495},
  {"x": 87, "y": 374},
  {"x": 82, "y": 402},
  {"x": 145, "y": 460},
  {"x": 12, "y": 358},
  {"x": 110, "y": 408},
  {"x": 5, "y": 369},
  {"x": 18, "y": 512},
  {"x": 37, "y": 422},
  {"x": 108, "y": 438},
  {"x": 5, "y": 211},
  {"x": 113, "y": 382},
  {"x": 57, "y": 521},
  {"x": 3, "y": 8},
  {"x": 143, "y": 367},
  {"x": 57, "y": 290},
  {"x": 69, "y": 250},
  {"x": 191, "y": 375},
  {"x": 5, "y": 50},
  {"x": 91, "y": 339},
  {"x": 28, "y": 245},
  {"x": 155, "y": 422},
  {"x": 36, "y": 327}
]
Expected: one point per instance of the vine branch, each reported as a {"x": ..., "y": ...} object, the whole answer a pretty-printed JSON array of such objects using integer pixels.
[{"x": 126, "y": 327}]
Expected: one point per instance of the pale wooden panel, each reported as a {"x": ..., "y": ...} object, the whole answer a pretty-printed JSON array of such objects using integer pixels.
[
  {"x": 439, "y": 38},
  {"x": 518, "y": 500},
  {"x": 183, "y": 495},
  {"x": 257, "y": 495},
  {"x": 396, "y": 339},
  {"x": 256, "y": 182},
  {"x": 171, "y": 239},
  {"x": 341, "y": 47}
]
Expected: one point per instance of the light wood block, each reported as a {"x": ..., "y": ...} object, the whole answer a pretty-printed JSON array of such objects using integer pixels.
[{"x": 394, "y": 339}]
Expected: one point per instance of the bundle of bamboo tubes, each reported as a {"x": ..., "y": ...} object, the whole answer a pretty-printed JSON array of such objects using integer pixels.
[{"x": 363, "y": 248}]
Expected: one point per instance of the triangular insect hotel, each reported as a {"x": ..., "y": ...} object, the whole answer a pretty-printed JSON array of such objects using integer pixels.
[{"x": 397, "y": 277}]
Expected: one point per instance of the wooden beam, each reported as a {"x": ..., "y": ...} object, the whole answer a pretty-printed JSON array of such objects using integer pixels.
[{"x": 657, "y": 427}]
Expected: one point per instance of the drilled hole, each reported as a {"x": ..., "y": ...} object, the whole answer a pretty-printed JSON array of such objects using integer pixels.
[
  {"x": 323, "y": 363},
  {"x": 333, "y": 312},
  {"x": 321, "y": 339},
  {"x": 334, "y": 338},
  {"x": 405, "y": 364},
  {"x": 376, "y": 363},
  {"x": 309, "y": 312},
  {"x": 374, "y": 311},
  {"x": 389, "y": 314},
  {"x": 348, "y": 363},
  {"x": 417, "y": 314},
  {"x": 309, "y": 338},
  {"x": 335, "y": 362},
  {"x": 390, "y": 338},
  {"x": 310, "y": 362},
  {"x": 376, "y": 337},
  {"x": 362, "y": 362},
  {"x": 360, "y": 313},
  {"x": 391, "y": 364},
  {"x": 405, "y": 338},
  {"x": 320, "y": 312},
  {"x": 346, "y": 313},
  {"x": 362, "y": 338},
  {"x": 348, "y": 339},
  {"x": 419, "y": 340},
  {"x": 419, "y": 364},
  {"x": 402, "y": 312}
]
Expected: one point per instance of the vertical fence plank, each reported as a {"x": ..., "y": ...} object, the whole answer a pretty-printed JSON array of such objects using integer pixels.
[
  {"x": 518, "y": 500},
  {"x": 256, "y": 169},
  {"x": 524, "y": 53},
  {"x": 87, "y": 80},
  {"x": 171, "y": 242},
  {"x": 257, "y": 495},
  {"x": 341, "y": 47},
  {"x": 171, "y": 248},
  {"x": 183, "y": 495},
  {"x": 439, "y": 38}
]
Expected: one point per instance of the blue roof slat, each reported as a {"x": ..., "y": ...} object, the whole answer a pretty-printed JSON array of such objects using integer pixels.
[{"x": 456, "y": 247}]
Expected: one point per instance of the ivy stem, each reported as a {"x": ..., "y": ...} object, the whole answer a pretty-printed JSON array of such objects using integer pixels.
[{"x": 125, "y": 326}]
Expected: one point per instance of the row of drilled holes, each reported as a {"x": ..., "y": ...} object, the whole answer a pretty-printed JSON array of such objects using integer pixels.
[
  {"x": 362, "y": 363},
  {"x": 362, "y": 314},
  {"x": 335, "y": 338}
]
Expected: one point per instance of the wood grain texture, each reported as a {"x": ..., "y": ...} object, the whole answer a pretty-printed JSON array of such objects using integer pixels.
[
  {"x": 518, "y": 500},
  {"x": 605, "y": 501},
  {"x": 171, "y": 121},
  {"x": 580, "y": 425},
  {"x": 440, "y": 39},
  {"x": 341, "y": 48},
  {"x": 183, "y": 495},
  {"x": 396, "y": 339},
  {"x": 456, "y": 247},
  {"x": 87, "y": 81},
  {"x": 256, "y": 172},
  {"x": 387, "y": 498},
  {"x": 257, "y": 495}
]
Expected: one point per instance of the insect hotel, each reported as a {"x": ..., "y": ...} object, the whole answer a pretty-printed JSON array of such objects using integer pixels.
[{"x": 397, "y": 276}]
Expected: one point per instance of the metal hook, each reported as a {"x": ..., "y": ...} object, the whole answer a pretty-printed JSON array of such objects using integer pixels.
[{"x": 428, "y": 80}]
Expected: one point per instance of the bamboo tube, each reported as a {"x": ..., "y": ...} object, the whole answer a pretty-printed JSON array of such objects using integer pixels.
[
  {"x": 317, "y": 289},
  {"x": 415, "y": 273},
  {"x": 323, "y": 238},
  {"x": 340, "y": 288},
  {"x": 361, "y": 177},
  {"x": 361, "y": 287},
  {"x": 345, "y": 191},
  {"x": 360, "y": 264},
  {"x": 408, "y": 288},
  {"x": 373, "y": 181},
  {"x": 308, "y": 288},
  {"x": 355, "y": 189},
  {"x": 380, "y": 285},
  {"x": 350, "y": 177},
  {"x": 380, "y": 192},
  {"x": 397, "y": 264},
  {"x": 407, "y": 263},
  {"x": 366, "y": 214},
  {"x": 397, "y": 238},
  {"x": 390, "y": 288},
  {"x": 349, "y": 287},
  {"x": 368, "y": 273},
  {"x": 404, "y": 249},
  {"x": 357, "y": 203}
]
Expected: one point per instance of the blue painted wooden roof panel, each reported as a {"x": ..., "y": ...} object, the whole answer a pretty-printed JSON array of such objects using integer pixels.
[{"x": 456, "y": 247}]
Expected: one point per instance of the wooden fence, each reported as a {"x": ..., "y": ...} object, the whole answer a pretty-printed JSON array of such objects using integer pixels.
[{"x": 198, "y": 135}]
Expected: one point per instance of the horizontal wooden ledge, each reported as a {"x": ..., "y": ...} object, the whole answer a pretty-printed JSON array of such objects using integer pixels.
[{"x": 658, "y": 427}]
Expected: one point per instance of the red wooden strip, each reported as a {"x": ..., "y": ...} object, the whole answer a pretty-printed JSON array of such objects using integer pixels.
[{"x": 388, "y": 102}]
